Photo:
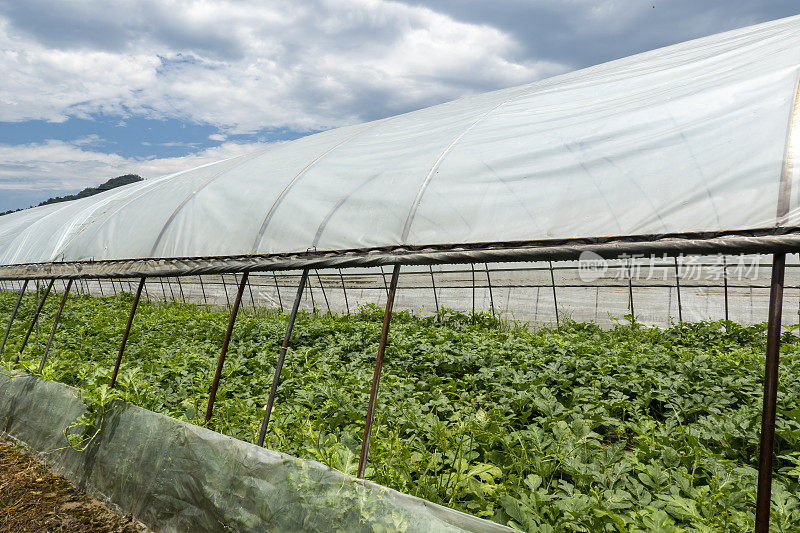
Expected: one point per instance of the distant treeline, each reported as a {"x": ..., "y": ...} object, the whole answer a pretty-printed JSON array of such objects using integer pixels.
[{"x": 113, "y": 183}]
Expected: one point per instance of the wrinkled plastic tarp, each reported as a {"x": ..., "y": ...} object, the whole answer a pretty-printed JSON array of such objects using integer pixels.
[
  {"x": 174, "y": 476},
  {"x": 696, "y": 137}
]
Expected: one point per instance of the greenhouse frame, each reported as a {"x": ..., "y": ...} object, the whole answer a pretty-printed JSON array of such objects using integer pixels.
[{"x": 689, "y": 150}]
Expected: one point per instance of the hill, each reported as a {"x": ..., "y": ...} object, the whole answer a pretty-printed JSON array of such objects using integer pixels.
[{"x": 113, "y": 183}]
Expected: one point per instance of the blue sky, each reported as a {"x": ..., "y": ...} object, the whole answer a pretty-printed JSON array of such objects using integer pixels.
[{"x": 92, "y": 90}]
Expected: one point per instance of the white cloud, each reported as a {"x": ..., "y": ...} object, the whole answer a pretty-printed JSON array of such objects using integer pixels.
[
  {"x": 244, "y": 66},
  {"x": 63, "y": 166}
]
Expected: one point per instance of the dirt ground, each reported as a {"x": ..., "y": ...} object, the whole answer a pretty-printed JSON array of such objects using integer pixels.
[{"x": 33, "y": 498}]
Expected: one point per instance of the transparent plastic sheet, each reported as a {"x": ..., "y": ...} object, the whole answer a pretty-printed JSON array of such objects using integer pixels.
[
  {"x": 174, "y": 476},
  {"x": 695, "y": 137}
]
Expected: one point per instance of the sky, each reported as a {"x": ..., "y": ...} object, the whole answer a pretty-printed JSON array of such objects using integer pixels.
[{"x": 91, "y": 89}]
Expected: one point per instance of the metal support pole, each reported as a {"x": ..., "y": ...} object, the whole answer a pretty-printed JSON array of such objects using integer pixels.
[
  {"x": 630, "y": 293},
  {"x": 344, "y": 290},
  {"x": 38, "y": 294},
  {"x": 100, "y": 285},
  {"x": 35, "y": 319},
  {"x": 555, "y": 297},
  {"x": 323, "y": 292},
  {"x": 252, "y": 300},
  {"x": 489, "y": 282},
  {"x": 281, "y": 358},
  {"x": 725, "y": 280},
  {"x": 278, "y": 290},
  {"x": 770, "y": 394},
  {"x": 55, "y": 325},
  {"x": 376, "y": 376},
  {"x": 435, "y": 297},
  {"x": 13, "y": 314},
  {"x": 678, "y": 287},
  {"x": 203, "y": 289},
  {"x": 231, "y": 321},
  {"x": 171, "y": 292},
  {"x": 313, "y": 303},
  {"x": 127, "y": 332},
  {"x": 385, "y": 286},
  {"x": 472, "y": 269},
  {"x": 225, "y": 288},
  {"x": 163, "y": 290},
  {"x": 180, "y": 289}
]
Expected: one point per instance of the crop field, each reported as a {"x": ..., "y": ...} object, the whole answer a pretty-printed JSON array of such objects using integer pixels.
[{"x": 569, "y": 429}]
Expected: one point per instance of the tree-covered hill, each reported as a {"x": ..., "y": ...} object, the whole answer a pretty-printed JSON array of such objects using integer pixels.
[{"x": 113, "y": 183}]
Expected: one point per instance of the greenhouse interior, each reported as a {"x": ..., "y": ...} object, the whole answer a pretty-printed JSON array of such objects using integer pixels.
[{"x": 554, "y": 307}]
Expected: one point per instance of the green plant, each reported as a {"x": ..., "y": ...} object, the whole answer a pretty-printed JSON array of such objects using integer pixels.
[{"x": 574, "y": 428}]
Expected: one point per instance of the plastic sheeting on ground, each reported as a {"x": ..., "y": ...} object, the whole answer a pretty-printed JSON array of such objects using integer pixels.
[
  {"x": 697, "y": 137},
  {"x": 174, "y": 476}
]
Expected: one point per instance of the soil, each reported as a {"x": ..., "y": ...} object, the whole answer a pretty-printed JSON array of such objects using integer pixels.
[{"x": 33, "y": 498}]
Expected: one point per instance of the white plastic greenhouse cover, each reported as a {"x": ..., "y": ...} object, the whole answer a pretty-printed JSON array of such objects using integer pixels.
[{"x": 698, "y": 137}]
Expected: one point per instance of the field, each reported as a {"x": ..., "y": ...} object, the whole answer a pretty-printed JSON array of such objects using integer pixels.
[{"x": 569, "y": 429}]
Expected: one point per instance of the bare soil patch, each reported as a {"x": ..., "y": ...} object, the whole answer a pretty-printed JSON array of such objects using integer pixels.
[{"x": 33, "y": 498}]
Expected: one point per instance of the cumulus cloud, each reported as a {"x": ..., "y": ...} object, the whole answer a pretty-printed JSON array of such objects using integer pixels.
[
  {"x": 243, "y": 66},
  {"x": 587, "y": 32},
  {"x": 60, "y": 166}
]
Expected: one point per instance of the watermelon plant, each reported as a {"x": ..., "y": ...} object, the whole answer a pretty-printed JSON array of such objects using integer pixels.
[{"x": 574, "y": 428}]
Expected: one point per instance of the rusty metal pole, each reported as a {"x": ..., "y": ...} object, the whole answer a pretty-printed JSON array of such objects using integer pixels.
[
  {"x": 281, "y": 358},
  {"x": 13, "y": 315},
  {"x": 435, "y": 297},
  {"x": 770, "y": 394},
  {"x": 376, "y": 376},
  {"x": 127, "y": 332},
  {"x": 171, "y": 292},
  {"x": 278, "y": 290},
  {"x": 38, "y": 294},
  {"x": 344, "y": 290},
  {"x": 252, "y": 299},
  {"x": 489, "y": 283},
  {"x": 385, "y": 286},
  {"x": 630, "y": 293},
  {"x": 203, "y": 290},
  {"x": 313, "y": 303},
  {"x": 472, "y": 269},
  {"x": 325, "y": 296},
  {"x": 35, "y": 320},
  {"x": 221, "y": 361},
  {"x": 225, "y": 288},
  {"x": 555, "y": 297},
  {"x": 678, "y": 287},
  {"x": 180, "y": 289},
  {"x": 55, "y": 325},
  {"x": 725, "y": 280}
]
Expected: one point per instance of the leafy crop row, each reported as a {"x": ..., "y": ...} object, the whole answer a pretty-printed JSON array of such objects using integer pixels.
[{"x": 569, "y": 429}]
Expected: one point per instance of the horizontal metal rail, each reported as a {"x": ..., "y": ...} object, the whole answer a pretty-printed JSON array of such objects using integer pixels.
[{"x": 767, "y": 240}]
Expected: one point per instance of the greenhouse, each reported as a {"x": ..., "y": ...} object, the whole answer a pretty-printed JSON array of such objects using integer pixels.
[{"x": 640, "y": 196}]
